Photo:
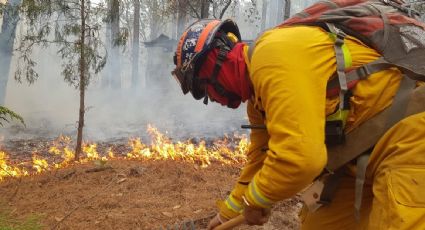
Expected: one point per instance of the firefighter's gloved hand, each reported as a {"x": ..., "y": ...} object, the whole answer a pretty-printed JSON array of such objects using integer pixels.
[
  {"x": 216, "y": 221},
  {"x": 255, "y": 215}
]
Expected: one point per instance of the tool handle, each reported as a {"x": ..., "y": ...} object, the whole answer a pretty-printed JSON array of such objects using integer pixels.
[{"x": 231, "y": 223}]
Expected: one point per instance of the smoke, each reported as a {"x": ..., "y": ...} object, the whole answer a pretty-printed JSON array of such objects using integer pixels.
[{"x": 50, "y": 106}]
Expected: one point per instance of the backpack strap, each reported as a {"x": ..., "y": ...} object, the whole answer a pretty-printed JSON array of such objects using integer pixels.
[
  {"x": 331, "y": 184},
  {"x": 341, "y": 61},
  {"x": 335, "y": 123},
  {"x": 362, "y": 162},
  {"x": 251, "y": 51},
  {"x": 407, "y": 101},
  {"x": 360, "y": 73},
  {"x": 396, "y": 113},
  {"x": 252, "y": 46}
]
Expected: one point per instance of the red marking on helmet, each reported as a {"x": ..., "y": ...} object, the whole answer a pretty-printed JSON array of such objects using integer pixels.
[
  {"x": 204, "y": 35},
  {"x": 179, "y": 48}
]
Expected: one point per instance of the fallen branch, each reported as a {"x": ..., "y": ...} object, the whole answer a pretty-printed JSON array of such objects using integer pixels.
[
  {"x": 98, "y": 169},
  {"x": 68, "y": 174}
]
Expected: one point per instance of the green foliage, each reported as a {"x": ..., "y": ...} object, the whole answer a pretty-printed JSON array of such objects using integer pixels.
[
  {"x": 8, "y": 222},
  {"x": 57, "y": 23},
  {"x": 216, "y": 9},
  {"x": 122, "y": 37},
  {"x": 6, "y": 114},
  {"x": 1, "y": 8}
]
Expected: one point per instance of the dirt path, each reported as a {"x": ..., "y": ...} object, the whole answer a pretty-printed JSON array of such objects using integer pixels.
[{"x": 130, "y": 195}]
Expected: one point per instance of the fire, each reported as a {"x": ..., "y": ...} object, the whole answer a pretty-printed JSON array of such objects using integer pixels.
[
  {"x": 91, "y": 152},
  {"x": 61, "y": 147},
  {"x": 223, "y": 151},
  {"x": 162, "y": 148},
  {"x": 7, "y": 170},
  {"x": 39, "y": 164}
]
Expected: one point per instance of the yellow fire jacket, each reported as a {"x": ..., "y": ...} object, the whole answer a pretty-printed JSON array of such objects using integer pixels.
[{"x": 289, "y": 70}]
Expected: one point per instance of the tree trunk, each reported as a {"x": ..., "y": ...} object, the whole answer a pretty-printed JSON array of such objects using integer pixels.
[
  {"x": 174, "y": 34},
  {"x": 279, "y": 15},
  {"x": 106, "y": 78},
  {"x": 7, "y": 38},
  {"x": 181, "y": 20},
  {"x": 115, "y": 54},
  {"x": 287, "y": 13},
  {"x": 205, "y": 7},
  {"x": 264, "y": 15},
  {"x": 154, "y": 23},
  {"x": 82, "y": 70},
  {"x": 150, "y": 71},
  {"x": 136, "y": 45}
]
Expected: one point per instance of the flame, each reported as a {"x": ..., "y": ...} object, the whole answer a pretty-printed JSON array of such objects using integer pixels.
[
  {"x": 91, "y": 152},
  {"x": 7, "y": 170},
  {"x": 221, "y": 151},
  {"x": 39, "y": 164},
  {"x": 110, "y": 154}
]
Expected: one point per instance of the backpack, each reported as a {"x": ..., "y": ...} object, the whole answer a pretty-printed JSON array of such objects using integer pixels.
[
  {"x": 399, "y": 36},
  {"x": 396, "y": 32}
]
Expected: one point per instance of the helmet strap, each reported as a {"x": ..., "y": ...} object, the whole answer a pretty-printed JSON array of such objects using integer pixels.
[{"x": 222, "y": 54}]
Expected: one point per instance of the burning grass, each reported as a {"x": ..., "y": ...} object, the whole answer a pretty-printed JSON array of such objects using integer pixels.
[
  {"x": 124, "y": 185},
  {"x": 60, "y": 154}
]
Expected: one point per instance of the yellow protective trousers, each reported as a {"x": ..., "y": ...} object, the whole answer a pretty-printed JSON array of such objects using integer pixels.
[{"x": 394, "y": 192}]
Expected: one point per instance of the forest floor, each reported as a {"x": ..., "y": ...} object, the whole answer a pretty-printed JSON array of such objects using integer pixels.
[{"x": 130, "y": 194}]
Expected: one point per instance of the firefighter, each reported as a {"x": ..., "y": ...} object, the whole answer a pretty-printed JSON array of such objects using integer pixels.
[{"x": 284, "y": 80}]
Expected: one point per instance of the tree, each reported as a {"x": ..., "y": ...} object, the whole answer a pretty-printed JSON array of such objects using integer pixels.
[
  {"x": 287, "y": 12},
  {"x": 7, "y": 38},
  {"x": 136, "y": 44},
  {"x": 204, "y": 7},
  {"x": 115, "y": 52},
  {"x": 73, "y": 27},
  {"x": 115, "y": 37},
  {"x": 156, "y": 15},
  {"x": 107, "y": 75},
  {"x": 252, "y": 13},
  {"x": 201, "y": 8},
  {"x": 264, "y": 15}
]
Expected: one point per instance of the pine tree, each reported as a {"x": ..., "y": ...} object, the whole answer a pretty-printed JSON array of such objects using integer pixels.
[{"x": 74, "y": 28}]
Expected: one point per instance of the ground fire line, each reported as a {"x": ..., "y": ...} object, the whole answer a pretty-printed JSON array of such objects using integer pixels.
[
  {"x": 223, "y": 151},
  {"x": 129, "y": 185}
]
